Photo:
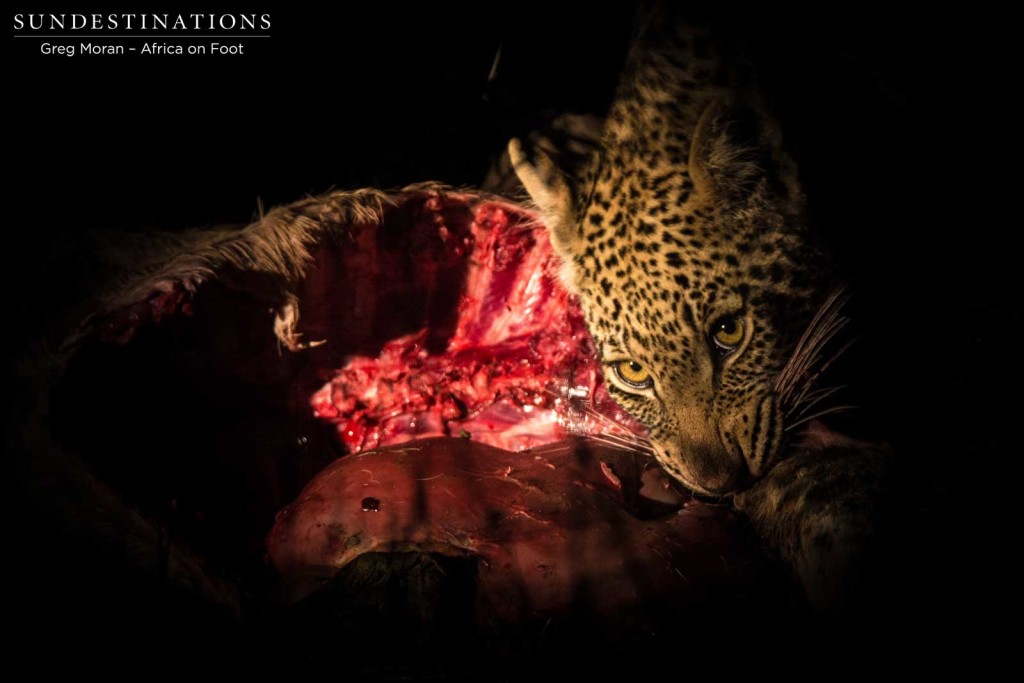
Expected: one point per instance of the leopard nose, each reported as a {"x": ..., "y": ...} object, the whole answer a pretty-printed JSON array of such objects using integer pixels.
[{"x": 713, "y": 470}]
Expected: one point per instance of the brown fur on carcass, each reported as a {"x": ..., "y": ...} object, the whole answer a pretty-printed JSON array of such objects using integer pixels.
[
  {"x": 267, "y": 260},
  {"x": 117, "y": 272}
]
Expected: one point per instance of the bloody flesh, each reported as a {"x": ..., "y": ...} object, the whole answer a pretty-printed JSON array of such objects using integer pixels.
[
  {"x": 432, "y": 339},
  {"x": 532, "y": 478},
  {"x": 518, "y": 369},
  {"x": 543, "y": 523}
]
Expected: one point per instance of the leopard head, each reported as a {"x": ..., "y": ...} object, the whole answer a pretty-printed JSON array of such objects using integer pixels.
[{"x": 686, "y": 244}]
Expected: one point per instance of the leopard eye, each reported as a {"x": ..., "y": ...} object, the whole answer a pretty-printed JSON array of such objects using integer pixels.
[
  {"x": 633, "y": 374},
  {"x": 727, "y": 333}
]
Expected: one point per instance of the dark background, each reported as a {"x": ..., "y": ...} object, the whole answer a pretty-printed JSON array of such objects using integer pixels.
[{"x": 898, "y": 123}]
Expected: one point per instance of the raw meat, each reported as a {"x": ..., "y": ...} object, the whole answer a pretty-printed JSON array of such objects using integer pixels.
[{"x": 518, "y": 369}]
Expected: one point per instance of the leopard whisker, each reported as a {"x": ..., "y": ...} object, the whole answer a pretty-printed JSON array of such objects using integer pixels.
[
  {"x": 550, "y": 449},
  {"x": 578, "y": 413},
  {"x": 625, "y": 439},
  {"x": 813, "y": 399},
  {"x": 810, "y": 356},
  {"x": 620, "y": 444},
  {"x": 796, "y": 377},
  {"x": 809, "y": 382},
  {"x": 607, "y": 420},
  {"x": 814, "y": 416}
]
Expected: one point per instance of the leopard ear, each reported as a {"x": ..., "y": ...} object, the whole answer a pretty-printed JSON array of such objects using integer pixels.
[
  {"x": 736, "y": 155},
  {"x": 544, "y": 181},
  {"x": 548, "y": 164}
]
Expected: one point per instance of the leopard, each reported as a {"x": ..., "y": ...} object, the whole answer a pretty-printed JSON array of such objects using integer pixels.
[
  {"x": 684, "y": 237},
  {"x": 684, "y": 232}
]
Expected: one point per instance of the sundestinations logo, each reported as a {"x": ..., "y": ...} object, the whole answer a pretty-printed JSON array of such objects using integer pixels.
[
  {"x": 141, "y": 22},
  {"x": 141, "y": 34}
]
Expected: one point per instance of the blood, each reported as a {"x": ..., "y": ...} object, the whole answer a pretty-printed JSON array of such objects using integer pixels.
[
  {"x": 446, "y": 318},
  {"x": 517, "y": 370}
]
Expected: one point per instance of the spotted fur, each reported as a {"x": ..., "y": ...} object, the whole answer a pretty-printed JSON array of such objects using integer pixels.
[{"x": 688, "y": 211}]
